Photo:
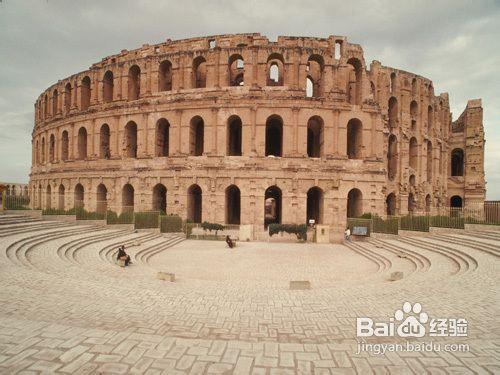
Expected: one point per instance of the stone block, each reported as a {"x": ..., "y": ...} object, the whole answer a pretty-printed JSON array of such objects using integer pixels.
[
  {"x": 322, "y": 233},
  {"x": 300, "y": 285},
  {"x": 166, "y": 276}
]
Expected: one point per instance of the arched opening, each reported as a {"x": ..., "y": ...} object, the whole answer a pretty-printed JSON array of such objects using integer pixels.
[
  {"x": 456, "y": 201},
  {"x": 413, "y": 115},
  {"x": 354, "y": 203},
  {"x": 37, "y": 154},
  {"x": 194, "y": 204},
  {"x": 412, "y": 203},
  {"x": 392, "y": 157},
  {"x": 390, "y": 204},
  {"x": 354, "y": 139},
  {"x": 274, "y": 136},
  {"x": 48, "y": 197},
  {"x": 457, "y": 162},
  {"x": 414, "y": 87},
  {"x": 165, "y": 76},
  {"x": 373, "y": 91},
  {"x": 43, "y": 150},
  {"x": 196, "y": 136},
  {"x": 102, "y": 199},
  {"x": 79, "y": 196},
  {"x": 393, "y": 83},
  {"x": 160, "y": 198},
  {"x": 128, "y": 198},
  {"x": 314, "y": 68},
  {"x": 104, "y": 137},
  {"x": 134, "y": 82},
  {"x": 354, "y": 83},
  {"x": 55, "y": 104},
  {"x": 46, "y": 107},
  {"x": 107, "y": 87},
  {"x": 275, "y": 70},
  {"x": 131, "y": 140},
  {"x": 430, "y": 118},
  {"x": 413, "y": 153},
  {"x": 233, "y": 202},
  {"x": 85, "y": 93},
  {"x": 393, "y": 113},
  {"x": 428, "y": 203},
  {"x": 412, "y": 180},
  {"x": 429, "y": 161},
  {"x": 64, "y": 145},
  {"x": 199, "y": 72},
  {"x": 52, "y": 148},
  {"x": 315, "y": 138},
  {"x": 234, "y": 136},
  {"x": 272, "y": 205},
  {"x": 236, "y": 70},
  {"x": 314, "y": 205},
  {"x": 82, "y": 143},
  {"x": 39, "y": 200},
  {"x": 61, "y": 203},
  {"x": 67, "y": 97},
  {"x": 162, "y": 137}
]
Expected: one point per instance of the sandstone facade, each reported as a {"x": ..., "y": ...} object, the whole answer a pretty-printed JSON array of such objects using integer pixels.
[{"x": 238, "y": 129}]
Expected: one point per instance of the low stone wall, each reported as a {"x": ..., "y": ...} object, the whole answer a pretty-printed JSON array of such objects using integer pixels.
[
  {"x": 65, "y": 218},
  {"x": 91, "y": 222},
  {"x": 30, "y": 213},
  {"x": 148, "y": 230},
  {"x": 120, "y": 226},
  {"x": 482, "y": 227}
]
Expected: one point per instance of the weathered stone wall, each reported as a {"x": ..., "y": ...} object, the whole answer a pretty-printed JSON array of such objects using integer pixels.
[{"x": 301, "y": 83}]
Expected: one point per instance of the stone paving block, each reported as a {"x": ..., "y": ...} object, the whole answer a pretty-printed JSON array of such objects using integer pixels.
[
  {"x": 114, "y": 368},
  {"x": 77, "y": 363}
]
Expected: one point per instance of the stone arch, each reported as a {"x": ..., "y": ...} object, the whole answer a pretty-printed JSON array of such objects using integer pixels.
[
  {"x": 52, "y": 148},
  {"x": 48, "y": 197},
  {"x": 236, "y": 66},
  {"x": 61, "y": 197},
  {"x": 392, "y": 157},
  {"x": 429, "y": 161},
  {"x": 413, "y": 114},
  {"x": 160, "y": 198},
  {"x": 162, "y": 137},
  {"x": 234, "y": 136},
  {"x": 134, "y": 82},
  {"x": 233, "y": 205},
  {"x": 55, "y": 102},
  {"x": 37, "y": 153},
  {"x": 392, "y": 88},
  {"x": 46, "y": 107},
  {"x": 393, "y": 112},
  {"x": 414, "y": 87},
  {"x": 309, "y": 87},
  {"x": 354, "y": 139},
  {"x": 39, "y": 200},
  {"x": 195, "y": 204},
  {"x": 85, "y": 93},
  {"x": 272, "y": 205},
  {"x": 43, "y": 150},
  {"x": 430, "y": 118},
  {"x": 64, "y": 145},
  {"x": 131, "y": 140},
  {"x": 128, "y": 197},
  {"x": 457, "y": 162},
  {"x": 413, "y": 153},
  {"x": 165, "y": 76},
  {"x": 275, "y": 70},
  {"x": 274, "y": 136},
  {"x": 412, "y": 180},
  {"x": 355, "y": 79},
  {"x": 67, "y": 97},
  {"x": 102, "y": 198},
  {"x": 82, "y": 143},
  {"x": 79, "y": 196},
  {"x": 390, "y": 204},
  {"x": 315, "y": 137},
  {"x": 354, "y": 203},
  {"x": 456, "y": 201},
  {"x": 314, "y": 205},
  {"x": 104, "y": 142},
  {"x": 315, "y": 65},
  {"x": 199, "y": 72},
  {"x": 108, "y": 87},
  {"x": 196, "y": 136}
]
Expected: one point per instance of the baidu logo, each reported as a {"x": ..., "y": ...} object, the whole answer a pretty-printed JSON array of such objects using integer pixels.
[{"x": 410, "y": 321}]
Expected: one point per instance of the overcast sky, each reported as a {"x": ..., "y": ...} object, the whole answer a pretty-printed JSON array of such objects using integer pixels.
[{"x": 454, "y": 43}]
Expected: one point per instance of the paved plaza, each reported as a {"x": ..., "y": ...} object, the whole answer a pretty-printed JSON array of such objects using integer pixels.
[{"x": 66, "y": 307}]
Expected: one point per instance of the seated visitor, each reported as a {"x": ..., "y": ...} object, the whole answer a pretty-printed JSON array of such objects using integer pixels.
[
  {"x": 122, "y": 255},
  {"x": 347, "y": 234},
  {"x": 229, "y": 242}
]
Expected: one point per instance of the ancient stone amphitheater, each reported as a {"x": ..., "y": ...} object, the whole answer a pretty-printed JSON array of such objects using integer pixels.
[{"x": 238, "y": 129}]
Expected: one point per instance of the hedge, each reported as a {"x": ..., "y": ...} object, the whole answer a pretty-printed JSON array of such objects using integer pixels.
[
  {"x": 149, "y": 219},
  {"x": 300, "y": 230},
  {"x": 170, "y": 224}
]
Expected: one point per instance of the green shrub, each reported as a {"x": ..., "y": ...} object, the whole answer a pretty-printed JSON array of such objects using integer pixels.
[
  {"x": 149, "y": 219},
  {"x": 447, "y": 222},
  {"x": 123, "y": 218},
  {"x": 416, "y": 223},
  {"x": 188, "y": 228},
  {"x": 170, "y": 224},
  {"x": 212, "y": 227},
  {"x": 54, "y": 211},
  {"x": 16, "y": 203},
  {"x": 300, "y": 230}
]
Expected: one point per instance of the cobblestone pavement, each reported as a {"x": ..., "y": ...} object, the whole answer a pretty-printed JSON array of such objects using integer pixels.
[{"x": 65, "y": 307}]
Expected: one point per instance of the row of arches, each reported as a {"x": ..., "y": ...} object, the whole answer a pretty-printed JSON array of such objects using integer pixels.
[
  {"x": 234, "y": 142},
  {"x": 393, "y": 115},
  {"x": 272, "y": 202}
]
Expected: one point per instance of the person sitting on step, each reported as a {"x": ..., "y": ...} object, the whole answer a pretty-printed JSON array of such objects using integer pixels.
[
  {"x": 122, "y": 255},
  {"x": 229, "y": 242}
]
